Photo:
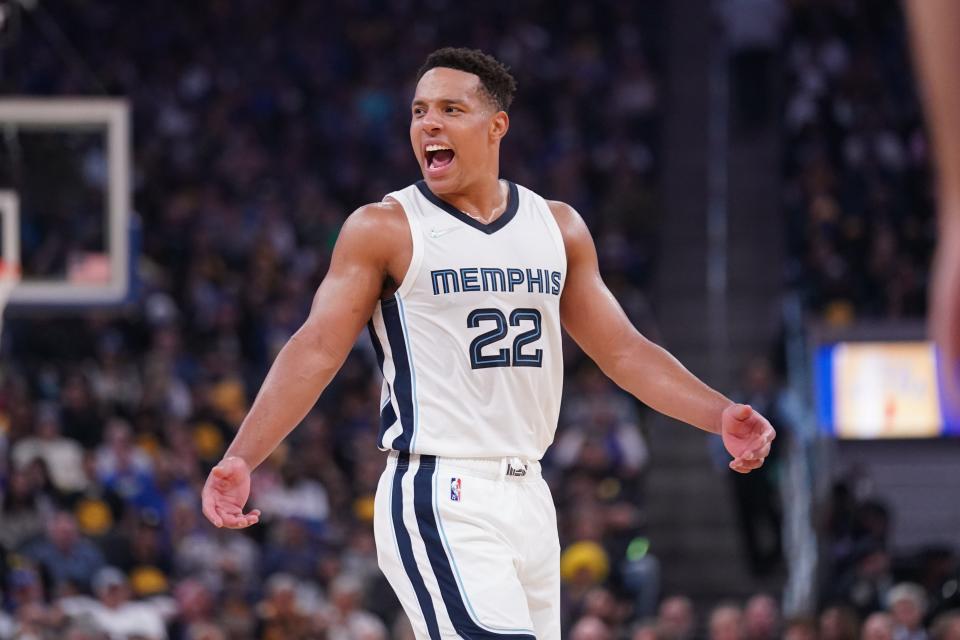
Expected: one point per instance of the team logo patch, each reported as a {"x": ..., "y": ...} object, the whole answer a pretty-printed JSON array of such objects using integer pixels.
[{"x": 455, "y": 489}]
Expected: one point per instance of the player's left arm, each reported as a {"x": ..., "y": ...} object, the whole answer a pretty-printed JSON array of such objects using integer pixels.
[{"x": 596, "y": 321}]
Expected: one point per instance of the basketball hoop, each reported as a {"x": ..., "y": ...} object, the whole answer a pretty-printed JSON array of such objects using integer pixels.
[{"x": 9, "y": 277}]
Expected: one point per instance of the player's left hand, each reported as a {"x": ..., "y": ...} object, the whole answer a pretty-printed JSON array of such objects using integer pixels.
[{"x": 747, "y": 436}]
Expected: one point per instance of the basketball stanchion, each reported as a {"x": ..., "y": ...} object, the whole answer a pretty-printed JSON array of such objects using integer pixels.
[{"x": 9, "y": 277}]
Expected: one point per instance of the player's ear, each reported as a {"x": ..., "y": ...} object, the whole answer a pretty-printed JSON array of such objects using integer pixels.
[{"x": 499, "y": 124}]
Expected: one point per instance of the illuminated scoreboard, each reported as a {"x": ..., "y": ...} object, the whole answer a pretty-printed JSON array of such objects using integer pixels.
[{"x": 868, "y": 390}]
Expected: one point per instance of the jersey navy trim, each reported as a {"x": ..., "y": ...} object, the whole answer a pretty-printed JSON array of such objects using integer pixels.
[
  {"x": 402, "y": 385},
  {"x": 387, "y": 415},
  {"x": 413, "y": 372},
  {"x": 513, "y": 204},
  {"x": 376, "y": 344},
  {"x": 429, "y": 532},
  {"x": 406, "y": 548}
]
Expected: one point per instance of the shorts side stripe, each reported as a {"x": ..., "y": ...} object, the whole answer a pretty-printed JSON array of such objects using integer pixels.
[
  {"x": 429, "y": 532},
  {"x": 406, "y": 548},
  {"x": 456, "y": 569}
]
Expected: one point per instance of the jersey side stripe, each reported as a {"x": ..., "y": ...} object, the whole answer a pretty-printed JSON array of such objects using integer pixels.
[
  {"x": 402, "y": 383},
  {"x": 429, "y": 533},
  {"x": 387, "y": 415},
  {"x": 406, "y": 548},
  {"x": 413, "y": 373}
]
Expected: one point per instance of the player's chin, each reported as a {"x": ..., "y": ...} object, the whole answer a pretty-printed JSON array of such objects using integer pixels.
[{"x": 441, "y": 184}]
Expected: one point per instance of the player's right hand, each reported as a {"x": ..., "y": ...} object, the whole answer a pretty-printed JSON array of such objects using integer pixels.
[{"x": 226, "y": 492}]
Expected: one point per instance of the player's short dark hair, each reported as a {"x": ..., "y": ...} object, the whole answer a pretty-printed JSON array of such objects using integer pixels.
[{"x": 495, "y": 78}]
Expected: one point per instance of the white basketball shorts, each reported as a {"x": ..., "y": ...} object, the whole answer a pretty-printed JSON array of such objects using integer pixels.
[{"x": 470, "y": 546}]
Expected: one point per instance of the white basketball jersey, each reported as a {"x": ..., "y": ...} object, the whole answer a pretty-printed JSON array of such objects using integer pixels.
[{"x": 470, "y": 344}]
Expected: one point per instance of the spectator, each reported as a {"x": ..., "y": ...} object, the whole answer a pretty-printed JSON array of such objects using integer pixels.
[
  {"x": 647, "y": 630},
  {"x": 119, "y": 453},
  {"x": 114, "y": 611},
  {"x": 67, "y": 557},
  {"x": 205, "y": 631},
  {"x": 23, "y": 509},
  {"x": 839, "y": 623},
  {"x": 946, "y": 626},
  {"x": 603, "y": 431},
  {"x": 81, "y": 418},
  {"x": 761, "y": 618},
  {"x": 28, "y": 605},
  {"x": 590, "y": 628},
  {"x": 725, "y": 623},
  {"x": 800, "y": 628},
  {"x": 344, "y": 618},
  {"x": 866, "y": 584},
  {"x": 62, "y": 456},
  {"x": 676, "y": 618},
  {"x": 280, "y": 615},
  {"x": 217, "y": 557},
  {"x": 85, "y": 630},
  {"x": 291, "y": 548},
  {"x": 600, "y": 603},
  {"x": 757, "y": 495},
  {"x": 877, "y": 626},
  {"x": 195, "y": 611},
  {"x": 908, "y": 605},
  {"x": 291, "y": 494}
]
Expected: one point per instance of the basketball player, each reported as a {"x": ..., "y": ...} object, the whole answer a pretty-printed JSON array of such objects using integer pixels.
[
  {"x": 464, "y": 280},
  {"x": 934, "y": 25}
]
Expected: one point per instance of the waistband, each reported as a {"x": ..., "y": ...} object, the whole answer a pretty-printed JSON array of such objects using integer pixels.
[{"x": 511, "y": 468}]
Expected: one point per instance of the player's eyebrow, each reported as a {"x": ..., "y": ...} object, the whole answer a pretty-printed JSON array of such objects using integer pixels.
[{"x": 420, "y": 102}]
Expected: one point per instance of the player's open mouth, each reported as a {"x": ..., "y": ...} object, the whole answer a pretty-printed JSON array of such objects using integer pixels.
[{"x": 438, "y": 157}]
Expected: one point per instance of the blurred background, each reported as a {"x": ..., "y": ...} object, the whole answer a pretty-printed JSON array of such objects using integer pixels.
[{"x": 756, "y": 176}]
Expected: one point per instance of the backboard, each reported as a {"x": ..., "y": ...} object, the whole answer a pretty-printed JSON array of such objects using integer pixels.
[{"x": 67, "y": 162}]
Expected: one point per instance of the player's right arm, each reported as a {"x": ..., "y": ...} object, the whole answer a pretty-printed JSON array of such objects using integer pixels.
[{"x": 368, "y": 250}]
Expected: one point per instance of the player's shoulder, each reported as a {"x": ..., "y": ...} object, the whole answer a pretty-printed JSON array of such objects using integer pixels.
[
  {"x": 374, "y": 215},
  {"x": 375, "y": 228},
  {"x": 573, "y": 229},
  {"x": 374, "y": 221},
  {"x": 563, "y": 213}
]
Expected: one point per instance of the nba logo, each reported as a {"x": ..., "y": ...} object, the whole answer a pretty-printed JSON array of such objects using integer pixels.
[{"x": 455, "y": 489}]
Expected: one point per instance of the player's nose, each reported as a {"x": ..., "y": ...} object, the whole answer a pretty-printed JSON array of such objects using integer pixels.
[{"x": 431, "y": 121}]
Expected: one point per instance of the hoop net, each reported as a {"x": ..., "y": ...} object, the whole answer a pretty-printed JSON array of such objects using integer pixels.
[{"x": 9, "y": 277}]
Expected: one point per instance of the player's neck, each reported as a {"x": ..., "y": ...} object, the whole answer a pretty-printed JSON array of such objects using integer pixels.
[{"x": 484, "y": 201}]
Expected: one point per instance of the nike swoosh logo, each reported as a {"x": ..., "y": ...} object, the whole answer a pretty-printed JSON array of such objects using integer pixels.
[{"x": 436, "y": 233}]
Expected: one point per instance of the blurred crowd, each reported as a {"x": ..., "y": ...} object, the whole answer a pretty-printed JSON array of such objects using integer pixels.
[
  {"x": 865, "y": 585},
  {"x": 858, "y": 200},
  {"x": 258, "y": 126},
  {"x": 861, "y": 230}
]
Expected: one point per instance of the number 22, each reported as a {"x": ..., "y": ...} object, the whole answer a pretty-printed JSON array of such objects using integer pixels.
[{"x": 502, "y": 358}]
